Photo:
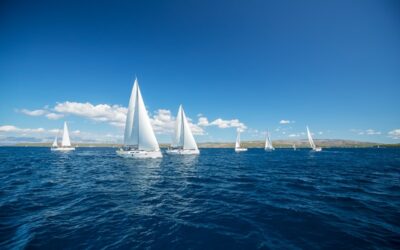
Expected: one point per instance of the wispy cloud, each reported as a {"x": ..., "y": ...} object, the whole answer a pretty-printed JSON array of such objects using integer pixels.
[
  {"x": 394, "y": 134},
  {"x": 366, "y": 132},
  {"x": 284, "y": 122}
]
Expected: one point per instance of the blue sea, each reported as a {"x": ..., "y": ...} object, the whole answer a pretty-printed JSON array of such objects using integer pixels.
[{"x": 93, "y": 199}]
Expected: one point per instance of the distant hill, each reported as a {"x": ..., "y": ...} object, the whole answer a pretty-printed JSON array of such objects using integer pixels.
[{"x": 325, "y": 143}]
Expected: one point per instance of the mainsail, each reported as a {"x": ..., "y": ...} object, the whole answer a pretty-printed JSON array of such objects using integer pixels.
[
  {"x": 65, "y": 140},
  {"x": 138, "y": 130},
  {"x": 310, "y": 139},
  {"x": 237, "y": 145}
]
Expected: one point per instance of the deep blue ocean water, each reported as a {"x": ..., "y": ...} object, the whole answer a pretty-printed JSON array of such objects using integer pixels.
[{"x": 91, "y": 198}]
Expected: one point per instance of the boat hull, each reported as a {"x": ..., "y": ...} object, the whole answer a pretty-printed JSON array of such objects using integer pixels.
[
  {"x": 269, "y": 149},
  {"x": 139, "y": 154},
  {"x": 240, "y": 150},
  {"x": 317, "y": 149},
  {"x": 62, "y": 149},
  {"x": 182, "y": 152}
]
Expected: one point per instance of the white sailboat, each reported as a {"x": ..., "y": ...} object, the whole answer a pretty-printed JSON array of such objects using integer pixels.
[
  {"x": 311, "y": 141},
  {"x": 237, "y": 144},
  {"x": 268, "y": 143},
  {"x": 294, "y": 147},
  {"x": 183, "y": 141},
  {"x": 65, "y": 143},
  {"x": 139, "y": 138}
]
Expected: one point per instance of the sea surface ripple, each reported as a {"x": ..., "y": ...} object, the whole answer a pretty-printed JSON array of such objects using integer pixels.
[{"x": 93, "y": 199}]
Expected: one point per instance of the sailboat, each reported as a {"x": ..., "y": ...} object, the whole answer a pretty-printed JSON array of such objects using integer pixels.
[
  {"x": 65, "y": 143},
  {"x": 139, "y": 138},
  {"x": 183, "y": 142},
  {"x": 294, "y": 147},
  {"x": 311, "y": 141},
  {"x": 237, "y": 144},
  {"x": 268, "y": 143}
]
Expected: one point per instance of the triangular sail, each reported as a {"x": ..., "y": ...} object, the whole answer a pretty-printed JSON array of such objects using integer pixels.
[
  {"x": 178, "y": 138},
  {"x": 147, "y": 138},
  {"x": 65, "y": 140},
  {"x": 138, "y": 130},
  {"x": 129, "y": 139},
  {"x": 268, "y": 143},
  {"x": 188, "y": 139},
  {"x": 237, "y": 145},
  {"x": 55, "y": 142},
  {"x": 310, "y": 139}
]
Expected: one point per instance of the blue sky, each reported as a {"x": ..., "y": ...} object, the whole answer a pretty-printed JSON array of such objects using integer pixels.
[{"x": 332, "y": 65}]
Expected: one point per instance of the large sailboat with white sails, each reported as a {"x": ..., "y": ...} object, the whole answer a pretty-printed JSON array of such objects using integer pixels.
[
  {"x": 139, "y": 138},
  {"x": 268, "y": 143},
  {"x": 238, "y": 148},
  {"x": 183, "y": 141},
  {"x": 65, "y": 143}
]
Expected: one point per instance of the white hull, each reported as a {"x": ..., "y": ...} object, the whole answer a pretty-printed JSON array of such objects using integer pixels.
[
  {"x": 139, "y": 154},
  {"x": 183, "y": 152},
  {"x": 62, "y": 149},
  {"x": 317, "y": 149},
  {"x": 269, "y": 149},
  {"x": 240, "y": 149}
]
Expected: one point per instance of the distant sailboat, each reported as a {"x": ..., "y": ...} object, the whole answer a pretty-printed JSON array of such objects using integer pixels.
[
  {"x": 237, "y": 144},
  {"x": 311, "y": 141},
  {"x": 65, "y": 143},
  {"x": 268, "y": 143},
  {"x": 294, "y": 147},
  {"x": 139, "y": 138},
  {"x": 183, "y": 141}
]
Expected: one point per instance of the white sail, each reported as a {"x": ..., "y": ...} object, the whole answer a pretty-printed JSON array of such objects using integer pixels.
[
  {"x": 130, "y": 137},
  {"x": 237, "y": 145},
  {"x": 147, "y": 138},
  {"x": 188, "y": 139},
  {"x": 55, "y": 142},
  {"x": 178, "y": 138},
  {"x": 183, "y": 137},
  {"x": 138, "y": 130},
  {"x": 268, "y": 143},
  {"x": 65, "y": 140},
  {"x": 310, "y": 139}
]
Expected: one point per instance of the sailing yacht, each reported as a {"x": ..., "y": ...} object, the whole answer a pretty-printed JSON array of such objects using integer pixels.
[
  {"x": 183, "y": 142},
  {"x": 268, "y": 143},
  {"x": 139, "y": 138},
  {"x": 237, "y": 144},
  {"x": 311, "y": 141},
  {"x": 65, "y": 143},
  {"x": 294, "y": 147}
]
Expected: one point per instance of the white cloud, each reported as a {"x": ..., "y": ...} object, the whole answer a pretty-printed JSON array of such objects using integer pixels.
[
  {"x": 366, "y": 132},
  {"x": 221, "y": 123},
  {"x": 114, "y": 114},
  {"x": 372, "y": 132},
  {"x": 54, "y": 116},
  {"x": 294, "y": 135},
  {"x": 14, "y": 129},
  {"x": 284, "y": 122},
  {"x": 394, "y": 134},
  {"x": 163, "y": 121},
  {"x": 37, "y": 112}
]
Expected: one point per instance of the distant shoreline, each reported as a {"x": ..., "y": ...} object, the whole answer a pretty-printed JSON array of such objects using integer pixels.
[{"x": 249, "y": 144}]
